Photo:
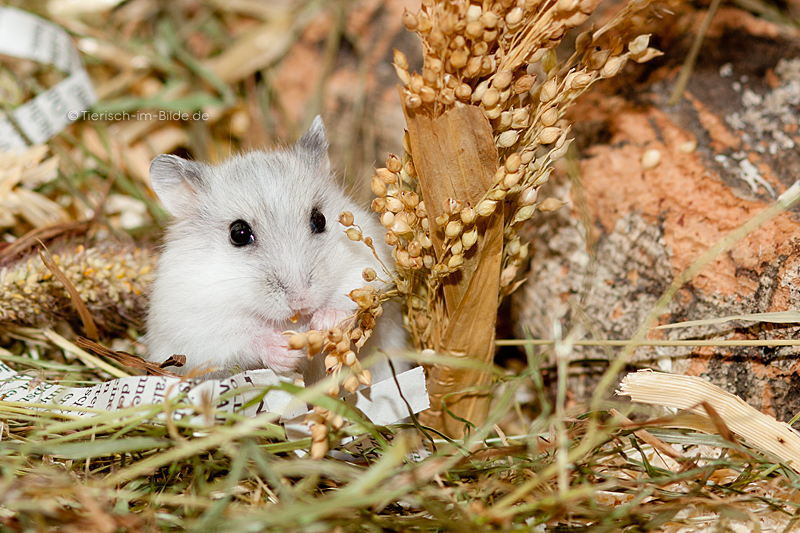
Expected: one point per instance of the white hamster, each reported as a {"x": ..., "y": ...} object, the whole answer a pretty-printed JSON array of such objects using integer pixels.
[{"x": 254, "y": 242}]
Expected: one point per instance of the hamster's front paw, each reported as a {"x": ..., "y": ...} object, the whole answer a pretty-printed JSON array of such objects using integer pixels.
[
  {"x": 273, "y": 349},
  {"x": 324, "y": 319}
]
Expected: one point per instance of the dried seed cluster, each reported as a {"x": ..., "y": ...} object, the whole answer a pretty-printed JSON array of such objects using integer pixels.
[
  {"x": 110, "y": 282},
  {"x": 498, "y": 55},
  {"x": 340, "y": 344}
]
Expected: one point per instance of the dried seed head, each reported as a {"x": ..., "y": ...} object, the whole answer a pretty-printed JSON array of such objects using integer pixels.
[
  {"x": 453, "y": 229},
  {"x": 486, "y": 207},
  {"x": 318, "y": 449},
  {"x": 427, "y": 94},
  {"x": 463, "y": 91},
  {"x": 580, "y": 80},
  {"x": 469, "y": 238},
  {"x": 457, "y": 247},
  {"x": 410, "y": 21},
  {"x": 549, "y": 135},
  {"x": 507, "y": 275},
  {"x": 551, "y": 204},
  {"x": 451, "y": 206},
  {"x": 497, "y": 194},
  {"x": 364, "y": 298},
  {"x": 502, "y": 79},
  {"x": 393, "y": 204},
  {"x": 393, "y": 164},
  {"x": 513, "y": 163},
  {"x": 511, "y": 180},
  {"x": 409, "y": 198},
  {"x": 524, "y": 213},
  {"x": 424, "y": 240},
  {"x": 401, "y": 225},
  {"x": 354, "y": 234},
  {"x": 413, "y": 101},
  {"x": 490, "y": 19},
  {"x": 494, "y": 112},
  {"x": 410, "y": 169},
  {"x": 612, "y": 66},
  {"x": 455, "y": 261},
  {"x": 414, "y": 248},
  {"x": 436, "y": 39},
  {"x": 523, "y": 84},
  {"x": 378, "y": 204},
  {"x": 420, "y": 210},
  {"x": 343, "y": 345},
  {"x": 387, "y": 219},
  {"x": 378, "y": 186},
  {"x": 399, "y": 59},
  {"x": 480, "y": 90},
  {"x": 514, "y": 17},
  {"x": 459, "y": 58},
  {"x": 439, "y": 269},
  {"x": 427, "y": 261},
  {"x": 442, "y": 219},
  {"x": 365, "y": 377},
  {"x": 350, "y": 383},
  {"x": 314, "y": 342},
  {"x": 369, "y": 274},
  {"x": 507, "y": 138},
  {"x": 468, "y": 215},
  {"x": 334, "y": 335},
  {"x": 549, "y": 116},
  {"x": 331, "y": 361},
  {"x": 520, "y": 118},
  {"x": 391, "y": 238},
  {"x": 474, "y": 13},
  {"x": 349, "y": 358},
  {"x": 638, "y": 46},
  {"x": 346, "y": 218},
  {"x": 549, "y": 91},
  {"x": 297, "y": 341},
  {"x": 598, "y": 58},
  {"x": 491, "y": 97},
  {"x": 319, "y": 432},
  {"x": 403, "y": 74},
  {"x": 528, "y": 196},
  {"x": 474, "y": 30},
  {"x": 513, "y": 246}
]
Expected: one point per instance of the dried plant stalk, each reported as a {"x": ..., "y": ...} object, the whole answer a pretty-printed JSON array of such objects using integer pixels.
[
  {"x": 485, "y": 123},
  {"x": 456, "y": 157}
]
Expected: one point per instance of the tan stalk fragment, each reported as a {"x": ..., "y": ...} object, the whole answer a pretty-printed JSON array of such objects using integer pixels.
[{"x": 455, "y": 157}]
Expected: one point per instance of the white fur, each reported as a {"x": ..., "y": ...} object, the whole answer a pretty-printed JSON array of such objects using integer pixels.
[{"x": 225, "y": 306}]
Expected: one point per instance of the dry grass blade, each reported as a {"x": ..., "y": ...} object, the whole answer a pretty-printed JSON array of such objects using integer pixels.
[
  {"x": 132, "y": 361},
  {"x": 690, "y": 392},
  {"x": 86, "y": 317}
]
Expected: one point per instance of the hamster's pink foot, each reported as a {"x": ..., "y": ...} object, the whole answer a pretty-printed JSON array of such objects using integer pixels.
[
  {"x": 273, "y": 349},
  {"x": 327, "y": 318}
]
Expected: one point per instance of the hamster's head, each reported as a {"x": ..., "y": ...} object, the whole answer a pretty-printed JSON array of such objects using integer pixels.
[{"x": 257, "y": 235}]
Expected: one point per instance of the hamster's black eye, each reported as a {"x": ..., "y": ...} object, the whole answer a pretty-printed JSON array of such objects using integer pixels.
[
  {"x": 317, "y": 221},
  {"x": 241, "y": 233}
]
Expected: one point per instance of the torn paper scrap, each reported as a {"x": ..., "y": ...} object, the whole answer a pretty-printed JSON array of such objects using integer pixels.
[
  {"x": 687, "y": 392},
  {"x": 382, "y": 403},
  {"x": 27, "y": 36}
]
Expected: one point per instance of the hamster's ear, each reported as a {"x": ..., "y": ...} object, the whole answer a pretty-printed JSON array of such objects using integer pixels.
[
  {"x": 176, "y": 182},
  {"x": 315, "y": 143}
]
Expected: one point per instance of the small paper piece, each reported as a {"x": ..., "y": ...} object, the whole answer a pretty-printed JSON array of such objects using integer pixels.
[
  {"x": 27, "y": 36},
  {"x": 382, "y": 403},
  {"x": 687, "y": 392}
]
